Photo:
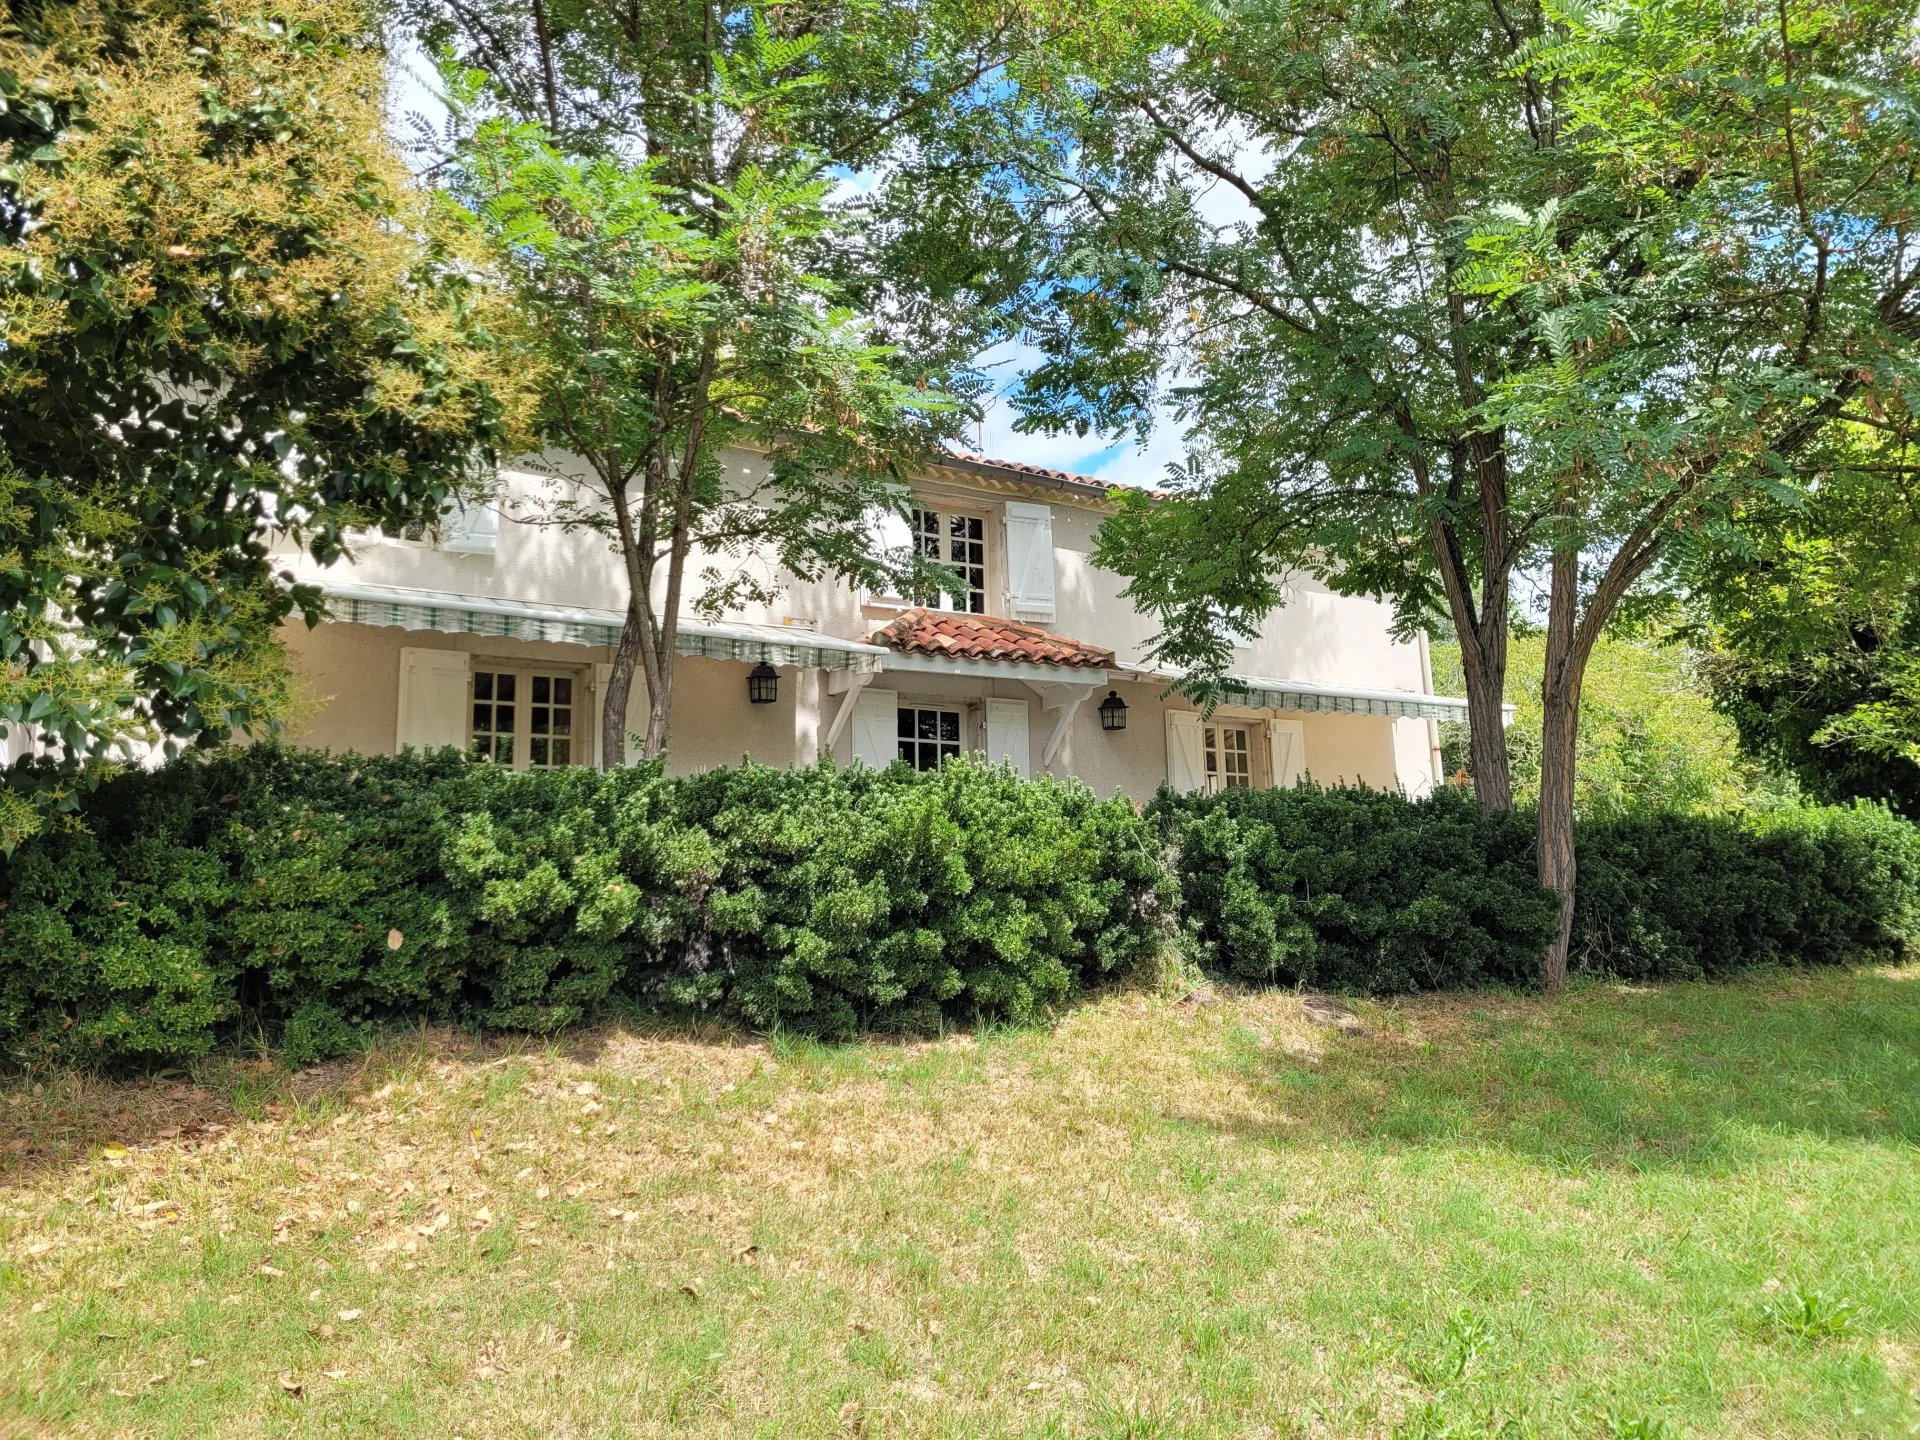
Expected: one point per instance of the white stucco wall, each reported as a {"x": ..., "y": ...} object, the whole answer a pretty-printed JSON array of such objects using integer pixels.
[{"x": 350, "y": 672}]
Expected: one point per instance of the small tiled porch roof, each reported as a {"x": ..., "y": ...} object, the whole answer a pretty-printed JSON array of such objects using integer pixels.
[{"x": 957, "y": 635}]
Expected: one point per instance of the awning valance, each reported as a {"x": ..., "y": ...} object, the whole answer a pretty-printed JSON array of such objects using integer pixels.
[
  {"x": 410, "y": 608},
  {"x": 1257, "y": 692}
]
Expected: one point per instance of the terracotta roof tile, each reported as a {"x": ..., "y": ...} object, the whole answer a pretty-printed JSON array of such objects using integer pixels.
[
  {"x": 961, "y": 636},
  {"x": 1089, "y": 483}
]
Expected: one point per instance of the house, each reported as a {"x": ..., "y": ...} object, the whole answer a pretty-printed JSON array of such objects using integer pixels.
[{"x": 496, "y": 637}]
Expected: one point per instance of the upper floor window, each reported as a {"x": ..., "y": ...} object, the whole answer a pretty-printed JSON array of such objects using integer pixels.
[{"x": 959, "y": 542}]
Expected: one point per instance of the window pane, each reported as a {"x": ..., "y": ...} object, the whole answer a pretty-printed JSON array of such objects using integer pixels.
[
  {"x": 953, "y": 750},
  {"x": 539, "y": 717},
  {"x": 904, "y": 727},
  {"x": 504, "y": 684},
  {"x": 503, "y": 749},
  {"x": 563, "y": 722},
  {"x": 542, "y": 689},
  {"x": 483, "y": 684},
  {"x": 478, "y": 749},
  {"x": 949, "y": 725},
  {"x": 536, "y": 752},
  {"x": 503, "y": 719},
  {"x": 562, "y": 690},
  {"x": 563, "y": 752},
  {"x": 928, "y": 722},
  {"x": 481, "y": 714},
  {"x": 906, "y": 751}
]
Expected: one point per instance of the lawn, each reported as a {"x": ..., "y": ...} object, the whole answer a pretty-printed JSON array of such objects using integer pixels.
[{"x": 1686, "y": 1211}]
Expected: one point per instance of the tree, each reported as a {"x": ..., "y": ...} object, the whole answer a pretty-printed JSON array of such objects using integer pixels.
[
  {"x": 1731, "y": 298},
  {"x": 222, "y": 312},
  {"x": 661, "y": 333},
  {"x": 700, "y": 280},
  {"x": 1813, "y": 623},
  {"x": 1334, "y": 359},
  {"x": 1650, "y": 736},
  {"x": 1555, "y": 290}
]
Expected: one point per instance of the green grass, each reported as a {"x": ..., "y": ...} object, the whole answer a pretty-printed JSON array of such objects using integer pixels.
[{"x": 1691, "y": 1211}]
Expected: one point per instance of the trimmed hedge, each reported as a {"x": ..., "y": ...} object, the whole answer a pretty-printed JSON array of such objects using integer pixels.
[
  {"x": 1362, "y": 891},
  {"x": 1691, "y": 896},
  {"x": 313, "y": 899},
  {"x": 1357, "y": 890},
  {"x": 317, "y": 897}
]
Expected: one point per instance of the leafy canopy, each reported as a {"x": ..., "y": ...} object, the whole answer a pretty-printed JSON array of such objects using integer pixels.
[
  {"x": 1813, "y": 624},
  {"x": 222, "y": 314}
]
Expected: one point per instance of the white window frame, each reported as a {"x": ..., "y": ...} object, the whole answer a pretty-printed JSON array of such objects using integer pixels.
[
  {"x": 943, "y": 518},
  {"x": 525, "y": 673},
  {"x": 943, "y": 748},
  {"x": 1220, "y": 772}
]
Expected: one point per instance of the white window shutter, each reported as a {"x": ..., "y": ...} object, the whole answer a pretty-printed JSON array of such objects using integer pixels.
[
  {"x": 1288, "y": 740},
  {"x": 876, "y": 727},
  {"x": 470, "y": 528},
  {"x": 1007, "y": 738},
  {"x": 890, "y": 537},
  {"x": 1186, "y": 752},
  {"x": 1030, "y": 561},
  {"x": 433, "y": 699}
]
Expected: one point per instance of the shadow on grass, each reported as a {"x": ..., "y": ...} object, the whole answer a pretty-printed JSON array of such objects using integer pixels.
[{"x": 1614, "y": 1076}]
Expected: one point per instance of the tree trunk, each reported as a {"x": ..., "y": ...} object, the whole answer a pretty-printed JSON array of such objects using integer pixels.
[
  {"x": 1555, "y": 838},
  {"x": 1559, "y": 736},
  {"x": 659, "y": 710},
  {"x": 1487, "y": 726},
  {"x": 613, "y": 704}
]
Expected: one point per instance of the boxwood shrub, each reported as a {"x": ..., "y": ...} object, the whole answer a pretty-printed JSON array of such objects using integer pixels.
[
  {"x": 1364, "y": 891},
  {"x": 1356, "y": 890},
  {"x": 313, "y": 898},
  {"x": 1690, "y": 896}
]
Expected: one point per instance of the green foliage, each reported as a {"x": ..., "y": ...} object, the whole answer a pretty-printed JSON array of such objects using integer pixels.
[
  {"x": 1812, "y": 614},
  {"x": 319, "y": 897},
  {"x": 222, "y": 313},
  {"x": 1356, "y": 889},
  {"x": 884, "y": 897},
  {"x": 663, "y": 324},
  {"x": 660, "y": 198},
  {"x": 1798, "y": 1313},
  {"x": 1650, "y": 738},
  {"x": 314, "y": 899},
  {"x": 1682, "y": 896},
  {"x": 1363, "y": 891}
]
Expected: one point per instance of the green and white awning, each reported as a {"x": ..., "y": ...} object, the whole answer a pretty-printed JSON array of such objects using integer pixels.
[
  {"x": 1255, "y": 692},
  {"x": 409, "y": 608}
]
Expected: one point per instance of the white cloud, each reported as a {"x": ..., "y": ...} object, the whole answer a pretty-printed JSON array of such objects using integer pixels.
[
  {"x": 1145, "y": 466},
  {"x": 1221, "y": 204},
  {"x": 1114, "y": 459}
]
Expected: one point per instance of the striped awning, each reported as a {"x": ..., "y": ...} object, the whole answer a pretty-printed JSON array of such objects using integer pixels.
[
  {"x": 1256, "y": 692},
  {"x": 414, "y": 609}
]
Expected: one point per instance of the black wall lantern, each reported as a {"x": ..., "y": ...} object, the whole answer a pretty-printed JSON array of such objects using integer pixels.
[
  {"x": 1113, "y": 712},
  {"x": 763, "y": 684}
]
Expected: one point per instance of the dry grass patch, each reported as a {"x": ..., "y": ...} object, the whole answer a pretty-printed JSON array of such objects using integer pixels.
[{"x": 1160, "y": 1218}]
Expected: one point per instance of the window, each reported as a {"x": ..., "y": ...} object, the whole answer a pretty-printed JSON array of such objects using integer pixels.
[
  {"x": 960, "y": 542},
  {"x": 1229, "y": 758},
  {"x": 523, "y": 718},
  {"x": 928, "y": 736}
]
